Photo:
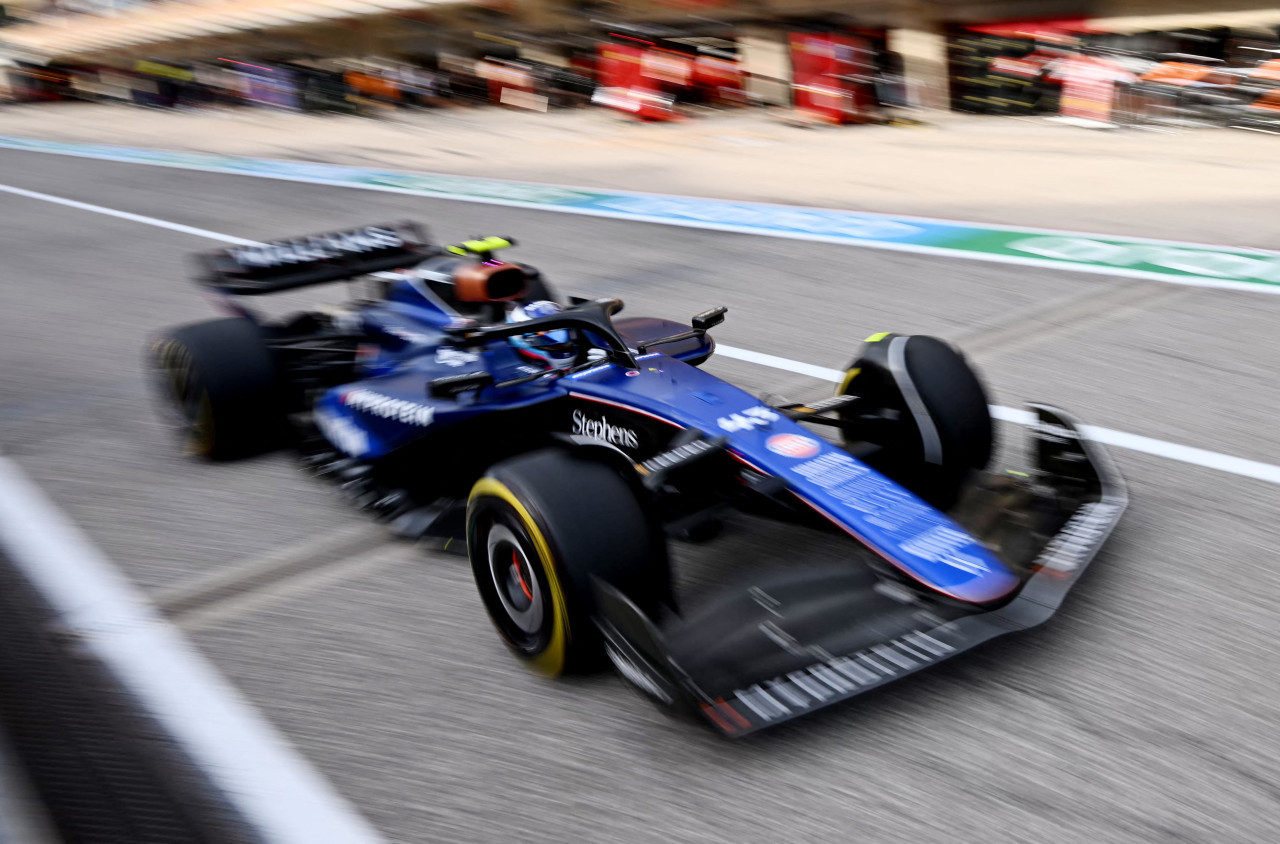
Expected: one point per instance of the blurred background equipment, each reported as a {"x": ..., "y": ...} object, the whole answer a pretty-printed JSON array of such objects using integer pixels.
[
  {"x": 832, "y": 76},
  {"x": 826, "y": 62}
]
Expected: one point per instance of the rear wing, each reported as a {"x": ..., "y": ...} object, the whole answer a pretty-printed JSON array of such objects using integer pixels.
[{"x": 314, "y": 259}]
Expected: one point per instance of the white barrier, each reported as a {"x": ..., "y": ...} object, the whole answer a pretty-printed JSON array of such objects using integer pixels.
[{"x": 260, "y": 788}]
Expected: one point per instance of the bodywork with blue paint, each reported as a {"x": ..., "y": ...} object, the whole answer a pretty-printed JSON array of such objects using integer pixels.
[{"x": 420, "y": 397}]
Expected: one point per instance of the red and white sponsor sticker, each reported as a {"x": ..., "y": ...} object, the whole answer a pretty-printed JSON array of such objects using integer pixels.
[{"x": 792, "y": 445}]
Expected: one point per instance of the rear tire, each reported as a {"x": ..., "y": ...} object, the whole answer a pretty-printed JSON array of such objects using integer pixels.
[
  {"x": 540, "y": 528},
  {"x": 219, "y": 383},
  {"x": 925, "y": 408}
]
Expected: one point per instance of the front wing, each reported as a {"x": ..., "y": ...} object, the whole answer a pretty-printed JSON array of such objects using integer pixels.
[{"x": 812, "y": 636}]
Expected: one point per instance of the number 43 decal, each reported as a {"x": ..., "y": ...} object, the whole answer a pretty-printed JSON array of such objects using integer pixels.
[{"x": 752, "y": 417}]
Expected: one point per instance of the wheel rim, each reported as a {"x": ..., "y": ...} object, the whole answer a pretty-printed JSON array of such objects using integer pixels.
[
  {"x": 515, "y": 582},
  {"x": 517, "y": 577}
]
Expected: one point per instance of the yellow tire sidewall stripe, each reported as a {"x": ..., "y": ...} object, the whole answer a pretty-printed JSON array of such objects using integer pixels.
[
  {"x": 848, "y": 381},
  {"x": 854, "y": 372},
  {"x": 551, "y": 661}
]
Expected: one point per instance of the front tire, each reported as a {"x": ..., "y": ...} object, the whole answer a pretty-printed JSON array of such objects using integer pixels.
[
  {"x": 540, "y": 529},
  {"x": 926, "y": 411},
  {"x": 220, "y": 387}
]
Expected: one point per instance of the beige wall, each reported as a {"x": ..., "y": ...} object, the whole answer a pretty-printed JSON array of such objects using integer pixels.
[
  {"x": 1126, "y": 8},
  {"x": 766, "y": 61}
]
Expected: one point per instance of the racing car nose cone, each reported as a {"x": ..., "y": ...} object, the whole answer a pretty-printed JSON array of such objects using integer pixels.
[
  {"x": 990, "y": 585},
  {"x": 953, "y": 562}
]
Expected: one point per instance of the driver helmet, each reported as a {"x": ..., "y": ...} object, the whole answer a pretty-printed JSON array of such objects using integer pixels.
[{"x": 554, "y": 349}]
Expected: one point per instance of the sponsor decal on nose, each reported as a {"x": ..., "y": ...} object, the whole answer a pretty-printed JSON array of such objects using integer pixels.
[{"x": 792, "y": 445}]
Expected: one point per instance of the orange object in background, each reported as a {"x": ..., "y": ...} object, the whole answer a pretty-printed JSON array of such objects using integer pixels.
[
  {"x": 38, "y": 84},
  {"x": 1269, "y": 101},
  {"x": 1267, "y": 71},
  {"x": 823, "y": 71},
  {"x": 373, "y": 87},
  {"x": 1184, "y": 73}
]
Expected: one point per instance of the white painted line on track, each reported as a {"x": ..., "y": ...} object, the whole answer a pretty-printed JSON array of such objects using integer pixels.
[
  {"x": 1183, "y": 453},
  {"x": 1133, "y": 442},
  {"x": 123, "y": 157},
  {"x": 246, "y": 761},
  {"x": 125, "y": 215},
  {"x": 1207, "y": 278},
  {"x": 1120, "y": 439},
  {"x": 775, "y": 362}
]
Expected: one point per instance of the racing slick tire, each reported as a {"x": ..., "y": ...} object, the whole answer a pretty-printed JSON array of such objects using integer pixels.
[
  {"x": 540, "y": 529},
  {"x": 219, "y": 382},
  {"x": 926, "y": 409}
]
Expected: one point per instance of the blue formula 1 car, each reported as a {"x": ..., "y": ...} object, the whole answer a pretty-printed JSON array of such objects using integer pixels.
[{"x": 457, "y": 396}]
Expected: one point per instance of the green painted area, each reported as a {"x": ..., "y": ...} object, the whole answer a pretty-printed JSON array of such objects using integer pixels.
[{"x": 1177, "y": 260}]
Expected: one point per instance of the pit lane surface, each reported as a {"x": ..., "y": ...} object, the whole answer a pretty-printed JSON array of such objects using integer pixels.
[{"x": 1143, "y": 712}]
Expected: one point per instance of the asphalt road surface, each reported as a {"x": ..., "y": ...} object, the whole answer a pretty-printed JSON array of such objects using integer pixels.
[{"x": 1146, "y": 711}]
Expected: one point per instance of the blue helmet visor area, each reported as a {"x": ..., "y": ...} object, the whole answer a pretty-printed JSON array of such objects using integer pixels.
[
  {"x": 549, "y": 339},
  {"x": 556, "y": 346},
  {"x": 552, "y": 345}
]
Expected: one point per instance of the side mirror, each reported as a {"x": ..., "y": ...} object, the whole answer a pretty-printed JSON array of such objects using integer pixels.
[
  {"x": 452, "y": 386},
  {"x": 710, "y": 319}
]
